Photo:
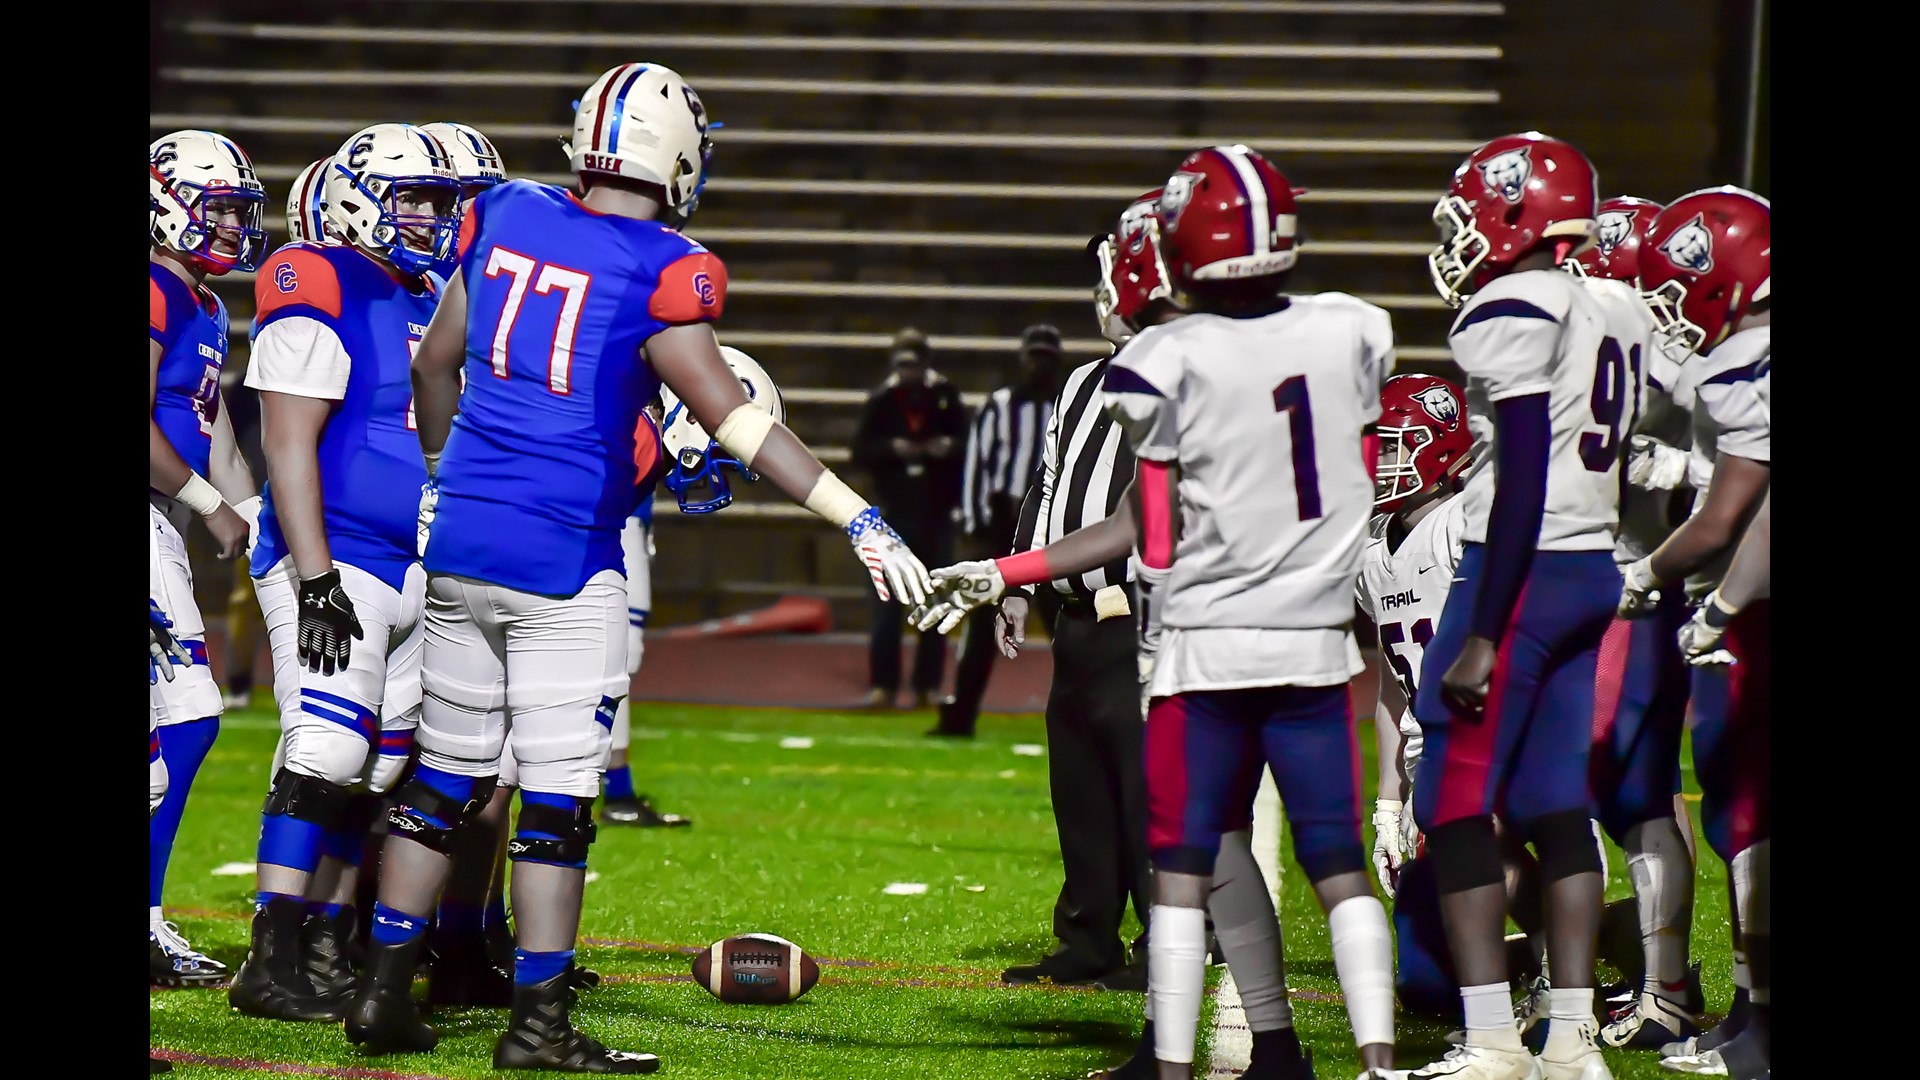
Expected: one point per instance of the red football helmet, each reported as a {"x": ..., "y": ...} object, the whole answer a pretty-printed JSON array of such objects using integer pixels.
[
  {"x": 1615, "y": 253},
  {"x": 1423, "y": 438},
  {"x": 1226, "y": 214},
  {"x": 1131, "y": 273},
  {"x": 1507, "y": 199},
  {"x": 1707, "y": 262}
]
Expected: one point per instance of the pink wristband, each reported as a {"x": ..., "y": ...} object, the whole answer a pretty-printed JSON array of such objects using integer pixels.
[{"x": 1026, "y": 568}]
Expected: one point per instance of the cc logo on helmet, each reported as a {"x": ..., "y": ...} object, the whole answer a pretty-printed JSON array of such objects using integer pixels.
[
  {"x": 1508, "y": 173},
  {"x": 1691, "y": 246},
  {"x": 164, "y": 156},
  {"x": 1439, "y": 403},
  {"x": 285, "y": 278},
  {"x": 357, "y": 153}
]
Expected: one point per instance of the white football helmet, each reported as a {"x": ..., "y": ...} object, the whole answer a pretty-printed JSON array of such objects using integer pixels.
[
  {"x": 643, "y": 122},
  {"x": 373, "y": 169},
  {"x": 307, "y": 205},
  {"x": 191, "y": 173},
  {"x": 474, "y": 157},
  {"x": 696, "y": 460}
]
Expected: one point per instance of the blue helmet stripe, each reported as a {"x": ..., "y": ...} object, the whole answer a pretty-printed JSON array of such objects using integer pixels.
[{"x": 620, "y": 108}]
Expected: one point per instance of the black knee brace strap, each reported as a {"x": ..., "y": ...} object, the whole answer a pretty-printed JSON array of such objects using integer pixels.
[
  {"x": 307, "y": 798},
  {"x": 1466, "y": 855},
  {"x": 574, "y": 828},
  {"x": 1566, "y": 845},
  {"x": 418, "y": 806}
]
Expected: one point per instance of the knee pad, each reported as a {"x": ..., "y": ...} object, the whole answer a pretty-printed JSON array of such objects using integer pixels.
[
  {"x": 636, "y": 645},
  {"x": 550, "y": 833},
  {"x": 1466, "y": 855},
  {"x": 1566, "y": 844},
  {"x": 424, "y": 813},
  {"x": 307, "y": 798},
  {"x": 156, "y": 776}
]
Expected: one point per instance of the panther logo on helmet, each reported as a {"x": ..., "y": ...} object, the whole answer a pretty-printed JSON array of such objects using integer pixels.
[
  {"x": 1508, "y": 173},
  {"x": 1439, "y": 403},
  {"x": 1691, "y": 246},
  {"x": 1175, "y": 196},
  {"x": 1614, "y": 227}
]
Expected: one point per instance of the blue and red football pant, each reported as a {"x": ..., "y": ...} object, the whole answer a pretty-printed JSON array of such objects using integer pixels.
[
  {"x": 1205, "y": 753},
  {"x": 1732, "y": 733},
  {"x": 1639, "y": 713},
  {"x": 1525, "y": 755}
]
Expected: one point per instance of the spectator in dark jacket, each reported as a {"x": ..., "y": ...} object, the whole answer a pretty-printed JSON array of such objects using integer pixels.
[{"x": 912, "y": 438}]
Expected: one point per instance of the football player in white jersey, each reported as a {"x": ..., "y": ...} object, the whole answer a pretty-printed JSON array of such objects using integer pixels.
[
  {"x": 1405, "y": 572},
  {"x": 1506, "y": 696},
  {"x": 1133, "y": 293},
  {"x": 1706, "y": 274},
  {"x": 1252, "y": 575},
  {"x": 206, "y": 206},
  {"x": 1641, "y": 695}
]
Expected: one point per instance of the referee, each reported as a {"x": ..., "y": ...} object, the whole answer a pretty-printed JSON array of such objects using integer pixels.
[
  {"x": 1003, "y": 457},
  {"x": 1095, "y": 737}
]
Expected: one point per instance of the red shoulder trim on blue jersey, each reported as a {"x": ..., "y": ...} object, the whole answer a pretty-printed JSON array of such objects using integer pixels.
[
  {"x": 296, "y": 276},
  {"x": 692, "y": 288},
  {"x": 469, "y": 226},
  {"x": 170, "y": 305}
]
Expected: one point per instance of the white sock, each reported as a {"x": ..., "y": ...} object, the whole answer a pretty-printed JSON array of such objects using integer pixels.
[
  {"x": 1363, "y": 958},
  {"x": 1490, "y": 1022},
  {"x": 154, "y": 918},
  {"x": 1663, "y": 894},
  {"x": 1176, "y": 975},
  {"x": 1571, "y": 1012}
]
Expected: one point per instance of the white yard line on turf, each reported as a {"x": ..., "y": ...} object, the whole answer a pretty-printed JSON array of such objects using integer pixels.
[{"x": 1232, "y": 1040}]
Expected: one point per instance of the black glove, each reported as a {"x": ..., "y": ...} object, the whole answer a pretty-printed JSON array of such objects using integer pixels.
[{"x": 326, "y": 617}]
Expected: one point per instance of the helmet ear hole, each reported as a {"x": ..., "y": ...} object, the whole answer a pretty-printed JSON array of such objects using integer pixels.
[{"x": 1512, "y": 216}]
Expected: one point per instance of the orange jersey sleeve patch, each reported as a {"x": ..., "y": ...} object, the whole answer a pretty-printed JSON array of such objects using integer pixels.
[
  {"x": 693, "y": 288},
  {"x": 295, "y": 276},
  {"x": 156, "y": 307}
]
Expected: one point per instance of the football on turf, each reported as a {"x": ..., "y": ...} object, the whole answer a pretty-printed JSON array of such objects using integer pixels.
[{"x": 755, "y": 969}]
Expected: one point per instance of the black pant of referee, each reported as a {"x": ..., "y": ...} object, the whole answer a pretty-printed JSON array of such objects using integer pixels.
[{"x": 1097, "y": 770}]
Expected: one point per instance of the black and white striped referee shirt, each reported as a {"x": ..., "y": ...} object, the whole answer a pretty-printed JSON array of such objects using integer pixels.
[
  {"x": 1003, "y": 455},
  {"x": 1085, "y": 469}
]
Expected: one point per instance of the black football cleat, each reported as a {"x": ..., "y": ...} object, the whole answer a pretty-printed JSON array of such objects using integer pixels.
[
  {"x": 465, "y": 974},
  {"x": 273, "y": 982},
  {"x": 582, "y": 979},
  {"x": 383, "y": 1017},
  {"x": 326, "y": 959},
  {"x": 639, "y": 812},
  {"x": 1062, "y": 968},
  {"x": 540, "y": 1036},
  {"x": 172, "y": 962},
  {"x": 156, "y": 1066}
]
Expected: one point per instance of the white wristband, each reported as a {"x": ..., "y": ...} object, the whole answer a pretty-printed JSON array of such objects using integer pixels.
[
  {"x": 433, "y": 462},
  {"x": 832, "y": 499},
  {"x": 200, "y": 495}
]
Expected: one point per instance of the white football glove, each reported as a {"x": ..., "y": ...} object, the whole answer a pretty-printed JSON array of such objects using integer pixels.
[
  {"x": 1655, "y": 466},
  {"x": 962, "y": 588},
  {"x": 249, "y": 511},
  {"x": 896, "y": 572},
  {"x": 1700, "y": 637},
  {"x": 1639, "y": 592},
  {"x": 1390, "y": 844},
  {"x": 429, "y": 506}
]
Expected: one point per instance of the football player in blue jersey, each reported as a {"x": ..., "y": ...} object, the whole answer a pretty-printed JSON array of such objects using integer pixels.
[
  {"x": 337, "y": 563},
  {"x": 554, "y": 299},
  {"x": 479, "y": 167},
  {"x": 204, "y": 220}
]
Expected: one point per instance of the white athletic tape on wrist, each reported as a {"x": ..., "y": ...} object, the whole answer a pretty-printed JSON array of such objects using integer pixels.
[
  {"x": 742, "y": 432},
  {"x": 832, "y": 499},
  {"x": 200, "y": 495},
  {"x": 433, "y": 462}
]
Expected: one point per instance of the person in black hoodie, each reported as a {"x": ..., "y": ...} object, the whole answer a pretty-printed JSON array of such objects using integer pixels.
[{"x": 912, "y": 438}]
